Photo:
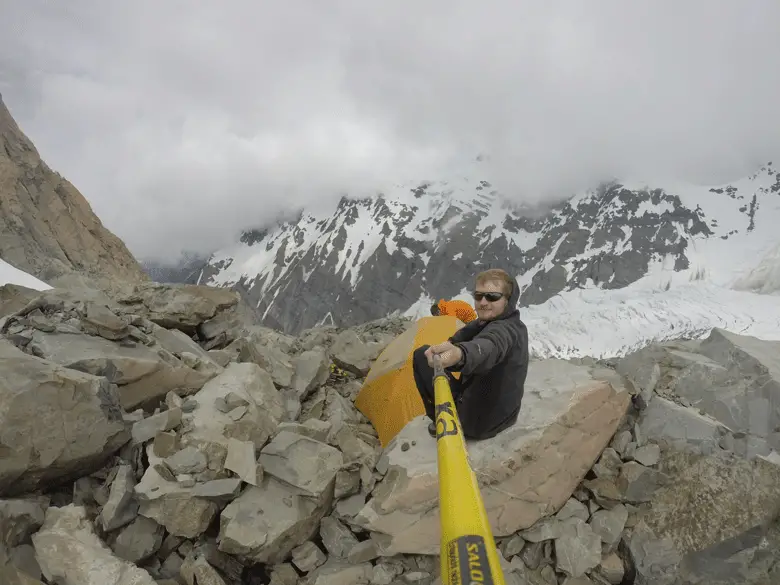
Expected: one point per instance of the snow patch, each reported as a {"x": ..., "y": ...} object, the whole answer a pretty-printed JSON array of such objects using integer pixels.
[{"x": 12, "y": 275}]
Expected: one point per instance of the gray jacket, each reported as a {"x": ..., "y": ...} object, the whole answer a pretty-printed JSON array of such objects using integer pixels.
[{"x": 493, "y": 371}]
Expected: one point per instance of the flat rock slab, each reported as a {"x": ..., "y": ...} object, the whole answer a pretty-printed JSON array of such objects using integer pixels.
[
  {"x": 144, "y": 374},
  {"x": 55, "y": 423},
  {"x": 569, "y": 414},
  {"x": 265, "y": 523},
  {"x": 178, "y": 306}
]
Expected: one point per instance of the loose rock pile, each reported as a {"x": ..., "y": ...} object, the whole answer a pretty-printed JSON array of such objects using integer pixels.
[{"x": 160, "y": 437}]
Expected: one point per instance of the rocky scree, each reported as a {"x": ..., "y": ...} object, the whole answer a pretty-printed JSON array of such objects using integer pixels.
[{"x": 247, "y": 462}]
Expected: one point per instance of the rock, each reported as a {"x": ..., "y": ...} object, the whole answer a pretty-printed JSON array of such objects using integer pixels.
[
  {"x": 680, "y": 427},
  {"x": 70, "y": 552},
  {"x": 545, "y": 529},
  {"x": 264, "y": 411},
  {"x": 363, "y": 552},
  {"x": 648, "y": 455},
  {"x": 512, "y": 546},
  {"x": 638, "y": 483},
  {"x": 56, "y": 424},
  {"x": 351, "y": 354},
  {"x": 336, "y": 572},
  {"x": 241, "y": 460},
  {"x": 100, "y": 320},
  {"x": 608, "y": 525},
  {"x": 188, "y": 460},
  {"x": 749, "y": 557},
  {"x": 265, "y": 523},
  {"x": 148, "y": 428},
  {"x": 337, "y": 539},
  {"x": 316, "y": 429},
  {"x": 178, "y": 306},
  {"x": 139, "y": 540},
  {"x": 181, "y": 345},
  {"x": 731, "y": 378},
  {"x": 655, "y": 560},
  {"x": 218, "y": 489},
  {"x": 384, "y": 572},
  {"x": 144, "y": 374},
  {"x": 220, "y": 356},
  {"x": 22, "y": 558},
  {"x": 349, "y": 507},
  {"x": 612, "y": 569},
  {"x": 174, "y": 506},
  {"x": 197, "y": 571},
  {"x": 20, "y": 518},
  {"x": 711, "y": 498},
  {"x": 271, "y": 359},
  {"x": 284, "y": 574},
  {"x": 302, "y": 462},
  {"x": 578, "y": 548},
  {"x": 14, "y": 297},
  {"x": 121, "y": 507},
  {"x": 311, "y": 370},
  {"x": 308, "y": 556},
  {"x": 620, "y": 442},
  {"x": 608, "y": 465},
  {"x": 569, "y": 415},
  {"x": 573, "y": 508}
]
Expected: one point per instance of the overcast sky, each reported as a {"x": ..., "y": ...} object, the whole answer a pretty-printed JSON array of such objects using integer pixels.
[{"x": 184, "y": 121}]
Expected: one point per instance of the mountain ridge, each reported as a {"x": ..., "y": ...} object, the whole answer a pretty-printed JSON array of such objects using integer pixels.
[
  {"x": 368, "y": 257},
  {"x": 47, "y": 227}
]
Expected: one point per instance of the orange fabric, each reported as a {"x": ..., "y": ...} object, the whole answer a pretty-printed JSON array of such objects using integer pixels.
[
  {"x": 389, "y": 396},
  {"x": 460, "y": 309}
]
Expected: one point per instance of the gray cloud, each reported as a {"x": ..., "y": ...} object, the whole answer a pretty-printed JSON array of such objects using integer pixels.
[{"x": 183, "y": 122}]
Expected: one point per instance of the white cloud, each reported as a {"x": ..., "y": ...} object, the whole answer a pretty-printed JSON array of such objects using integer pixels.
[{"x": 183, "y": 122}]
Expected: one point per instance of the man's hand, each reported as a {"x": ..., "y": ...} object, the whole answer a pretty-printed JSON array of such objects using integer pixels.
[{"x": 449, "y": 354}]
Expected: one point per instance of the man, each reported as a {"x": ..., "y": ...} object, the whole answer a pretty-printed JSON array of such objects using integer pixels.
[
  {"x": 460, "y": 309},
  {"x": 491, "y": 353}
]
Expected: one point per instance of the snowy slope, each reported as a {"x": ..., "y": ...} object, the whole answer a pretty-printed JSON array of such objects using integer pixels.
[
  {"x": 612, "y": 323},
  {"x": 11, "y": 275},
  {"x": 600, "y": 273}
]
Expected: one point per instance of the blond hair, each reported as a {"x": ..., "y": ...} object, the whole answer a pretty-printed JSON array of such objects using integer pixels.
[{"x": 497, "y": 275}]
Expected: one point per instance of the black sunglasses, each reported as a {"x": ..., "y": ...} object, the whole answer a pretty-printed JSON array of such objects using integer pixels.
[{"x": 490, "y": 296}]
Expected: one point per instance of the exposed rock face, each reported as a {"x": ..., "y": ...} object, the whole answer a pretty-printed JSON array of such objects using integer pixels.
[{"x": 47, "y": 228}]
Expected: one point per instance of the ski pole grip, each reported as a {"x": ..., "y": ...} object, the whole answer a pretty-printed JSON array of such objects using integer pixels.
[{"x": 438, "y": 370}]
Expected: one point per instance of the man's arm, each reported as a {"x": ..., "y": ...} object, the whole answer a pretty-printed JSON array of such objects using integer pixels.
[
  {"x": 488, "y": 348},
  {"x": 465, "y": 333}
]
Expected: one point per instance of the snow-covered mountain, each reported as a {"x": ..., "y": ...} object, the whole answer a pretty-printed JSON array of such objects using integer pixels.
[{"x": 639, "y": 262}]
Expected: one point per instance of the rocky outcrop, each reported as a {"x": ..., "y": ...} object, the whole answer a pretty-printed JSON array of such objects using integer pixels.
[
  {"x": 93, "y": 335},
  {"x": 47, "y": 228},
  {"x": 568, "y": 417},
  {"x": 267, "y": 473}
]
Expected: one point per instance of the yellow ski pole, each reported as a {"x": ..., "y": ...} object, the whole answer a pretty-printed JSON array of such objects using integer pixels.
[{"x": 468, "y": 550}]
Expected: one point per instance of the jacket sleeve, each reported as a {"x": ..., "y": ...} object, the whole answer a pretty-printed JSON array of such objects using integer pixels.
[
  {"x": 488, "y": 348},
  {"x": 465, "y": 333}
]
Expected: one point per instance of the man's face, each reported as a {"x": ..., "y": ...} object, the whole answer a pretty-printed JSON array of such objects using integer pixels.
[{"x": 487, "y": 309}]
